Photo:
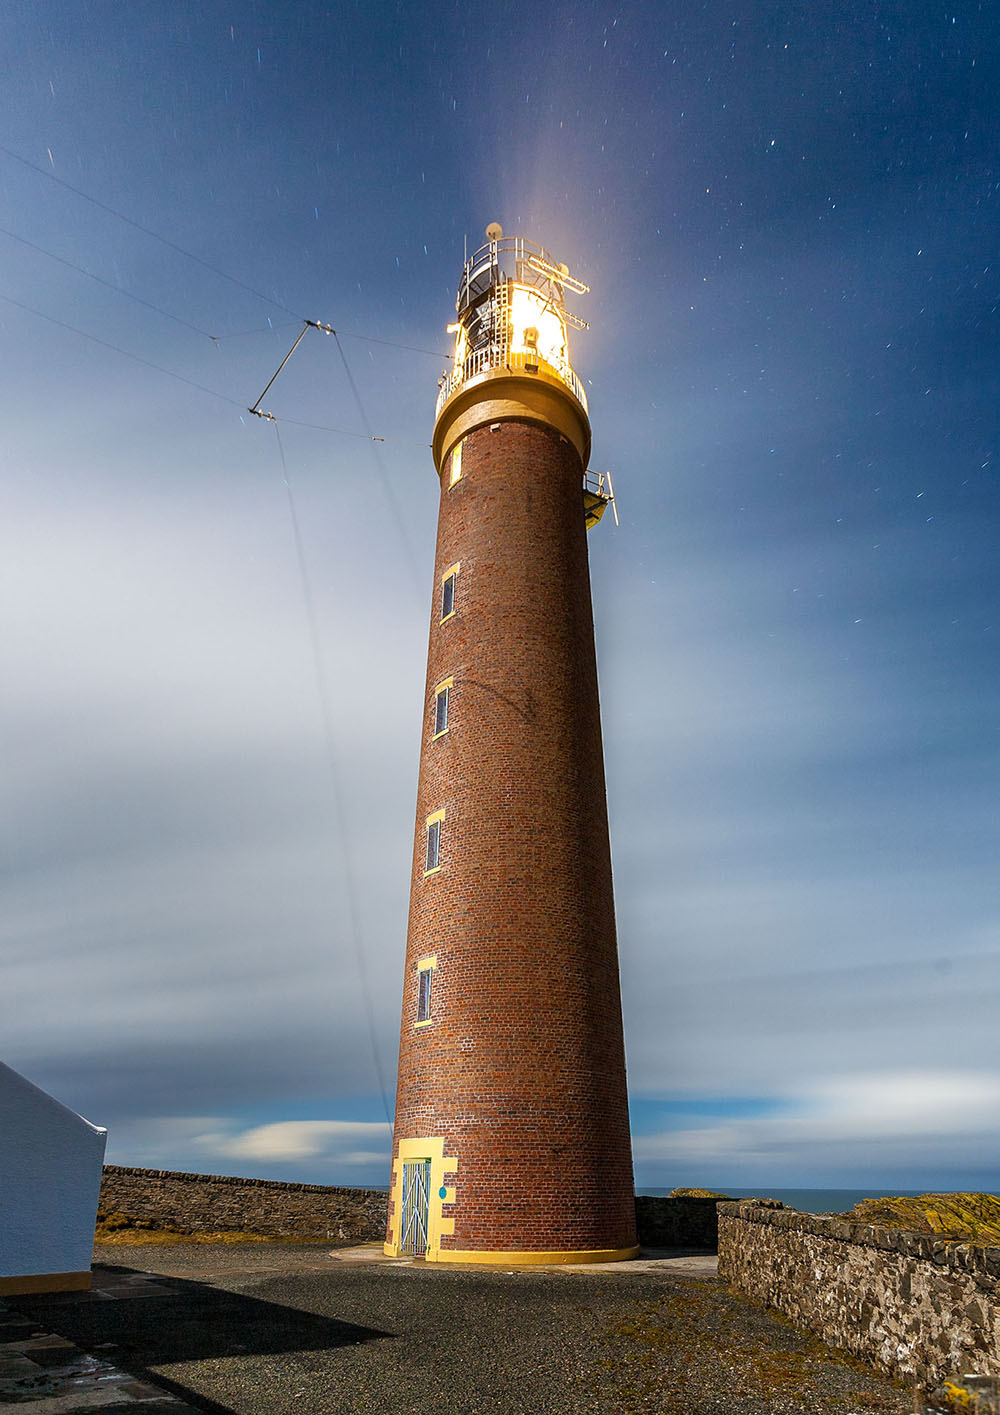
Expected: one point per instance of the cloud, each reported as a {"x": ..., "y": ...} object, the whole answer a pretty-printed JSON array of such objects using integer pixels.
[
  {"x": 908, "y": 1122},
  {"x": 177, "y": 871},
  {"x": 306, "y": 1139},
  {"x": 315, "y": 1151},
  {"x": 801, "y": 835}
]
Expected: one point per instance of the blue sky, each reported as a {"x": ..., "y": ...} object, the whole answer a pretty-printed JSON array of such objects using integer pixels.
[{"x": 788, "y": 222}]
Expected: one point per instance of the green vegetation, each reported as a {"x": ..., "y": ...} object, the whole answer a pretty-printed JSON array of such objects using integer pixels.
[
  {"x": 966, "y": 1218},
  {"x": 976, "y": 1395},
  {"x": 121, "y": 1230},
  {"x": 696, "y": 1194}
]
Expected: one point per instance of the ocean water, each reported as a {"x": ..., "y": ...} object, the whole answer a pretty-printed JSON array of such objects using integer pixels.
[{"x": 809, "y": 1201}]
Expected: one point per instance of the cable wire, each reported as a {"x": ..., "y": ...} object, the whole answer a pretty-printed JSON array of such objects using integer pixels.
[
  {"x": 212, "y": 392},
  {"x": 390, "y": 496},
  {"x": 104, "y": 343},
  {"x": 22, "y": 240},
  {"x": 147, "y": 231},
  {"x": 368, "y": 437},
  {"x": 181, "y": 250},
  {"x": 340, "y": 810},
  {"x": 392, "y": 344}
]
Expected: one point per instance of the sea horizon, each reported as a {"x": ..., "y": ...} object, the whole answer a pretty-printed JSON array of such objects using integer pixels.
[{"x": 809, "y": 1201}]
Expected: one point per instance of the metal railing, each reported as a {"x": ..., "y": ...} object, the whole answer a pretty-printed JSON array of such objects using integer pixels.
[
  {"x": 514, "y": 256},
  {"x": 599, "y": 484},
  {"x": 488, "y": 281},
  {"x": 499, "y": 357}
]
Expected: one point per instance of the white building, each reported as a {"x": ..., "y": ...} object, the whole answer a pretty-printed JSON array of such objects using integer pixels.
[{"x": 50, "y": 1180}]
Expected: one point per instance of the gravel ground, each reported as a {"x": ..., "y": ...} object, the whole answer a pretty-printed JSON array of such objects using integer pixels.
[{"x": 285, "y": 1329}]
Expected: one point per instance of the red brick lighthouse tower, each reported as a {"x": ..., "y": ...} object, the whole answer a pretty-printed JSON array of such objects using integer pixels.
[{"x": 512, "y": 1135}]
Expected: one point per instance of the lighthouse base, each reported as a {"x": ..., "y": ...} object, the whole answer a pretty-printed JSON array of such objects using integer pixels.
[{"x": 530, "y": 1258}]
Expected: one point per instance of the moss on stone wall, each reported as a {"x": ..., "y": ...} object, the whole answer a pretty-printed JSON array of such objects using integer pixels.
[{"x": 968, "y": 1218}]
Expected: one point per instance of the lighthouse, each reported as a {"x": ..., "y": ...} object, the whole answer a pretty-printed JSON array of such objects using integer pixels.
[{"x": 511, "y": 1140}]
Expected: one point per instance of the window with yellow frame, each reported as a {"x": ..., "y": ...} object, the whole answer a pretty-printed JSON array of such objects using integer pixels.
[
  {"x": 425, "y": 983},
  {"x": 442, "y": 707},
  {"x": 455, "y": 467},
  {"x": 449, "y": 591},
  {"x": 435, "y": 826}
]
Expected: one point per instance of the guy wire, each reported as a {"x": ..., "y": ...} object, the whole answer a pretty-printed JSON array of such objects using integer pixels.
[
  {"x": 212, "y": 392},
  {"x": 181, "y": 250},
  {"x": 397, "y": 515},
  {"x": 340, "y": 814},
  {"x": 146, "y": 230}
]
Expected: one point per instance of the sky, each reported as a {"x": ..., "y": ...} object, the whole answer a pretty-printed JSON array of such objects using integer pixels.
[{"x": 788, "y": 219}]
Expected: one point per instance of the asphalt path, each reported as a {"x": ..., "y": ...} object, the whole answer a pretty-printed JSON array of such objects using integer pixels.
[{"x": 288, "y": 1329}]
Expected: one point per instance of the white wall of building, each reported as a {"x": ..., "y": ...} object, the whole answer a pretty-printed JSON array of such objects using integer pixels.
[{"x": 50, "y": 1179}]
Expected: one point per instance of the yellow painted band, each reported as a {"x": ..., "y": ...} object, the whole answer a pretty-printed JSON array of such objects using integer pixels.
[
  {"x": 501, "y": 395},
  {"x": 530, "y": 1258},
  {"x": 45, "y": 1282},
  {"x": 434, "y": 816}
]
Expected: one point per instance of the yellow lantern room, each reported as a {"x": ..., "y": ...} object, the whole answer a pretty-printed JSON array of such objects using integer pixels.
[{"x": 512, "y": 332}]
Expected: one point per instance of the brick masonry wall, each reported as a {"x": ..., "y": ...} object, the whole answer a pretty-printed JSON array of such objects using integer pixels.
[
  {"x": 914, "y": 1305},
  {"x": 199, "y": 1203},
  {"x": 521, "y": 1070}
]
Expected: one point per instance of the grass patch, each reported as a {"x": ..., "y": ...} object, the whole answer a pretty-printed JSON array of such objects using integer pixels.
[
  {"x": 700, "y": 1344},
  {"x": 965, "y": 1218},
  {"x": 697, "y": 1194},
  {"x": 120, "y": 1230}
]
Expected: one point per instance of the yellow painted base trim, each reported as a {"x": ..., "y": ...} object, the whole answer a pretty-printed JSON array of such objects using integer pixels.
[
  {"x": 45, "y": 1282},
  {"x": 530, "y": 1258}
]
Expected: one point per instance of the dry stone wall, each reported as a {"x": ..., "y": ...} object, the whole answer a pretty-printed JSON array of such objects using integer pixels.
[
  {"x": 913, "y": 1304},
  {"x": 206, "y": 1203}
]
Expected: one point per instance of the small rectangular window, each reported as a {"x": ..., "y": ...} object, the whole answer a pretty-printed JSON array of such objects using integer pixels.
[
  {"x": 424, "y": 994},
  {"x": 434, "y": 846},
  {"x": 456, "y": 465},
  {"x": 442, "y": 696},
  {"x": 434, "y": 824},
  {"x": 448, "y": 594}
]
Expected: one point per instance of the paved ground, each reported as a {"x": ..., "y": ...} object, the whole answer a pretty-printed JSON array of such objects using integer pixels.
[{"x": 275, "y": 1329}]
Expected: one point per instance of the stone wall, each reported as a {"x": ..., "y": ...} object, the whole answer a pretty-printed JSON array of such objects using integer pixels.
[
  {"x": 199, "y": 1203},
  {"x": 912, "y": 1304}
]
